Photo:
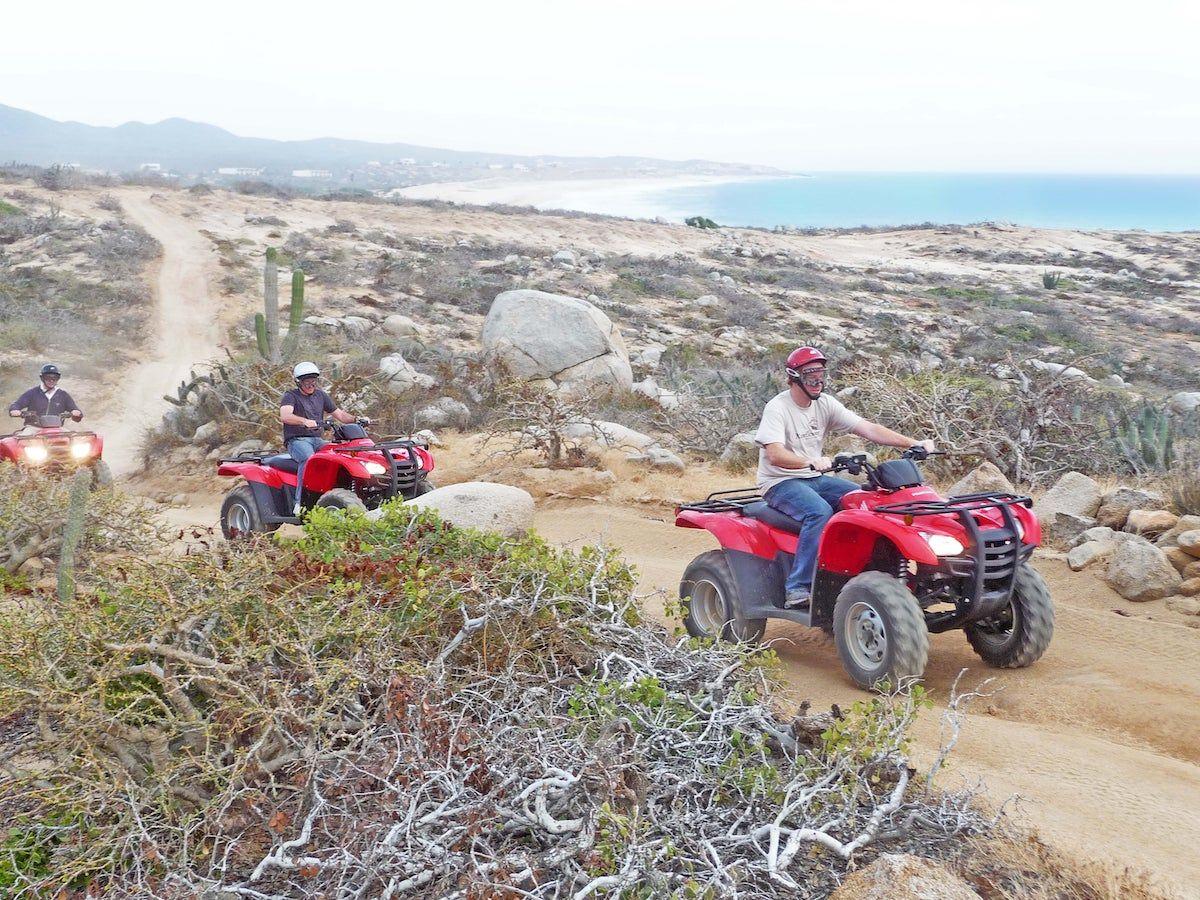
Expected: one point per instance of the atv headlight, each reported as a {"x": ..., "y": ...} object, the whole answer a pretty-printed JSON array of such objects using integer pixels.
[
  {"x": 943, "y": 544},
  {"x": 36, "y": 454},
  {"x": 375, "y": 468},
  {"x": 1020, "y": 529},
  {"x": 81, "y": 449}
]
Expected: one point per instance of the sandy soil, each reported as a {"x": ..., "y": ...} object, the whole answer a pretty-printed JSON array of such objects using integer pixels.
[
  {"x": 1100, "y": 737},
  {"x": 186, "y": 332}
]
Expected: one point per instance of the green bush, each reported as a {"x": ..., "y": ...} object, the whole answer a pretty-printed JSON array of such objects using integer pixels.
[{"x": 700, "y": 222}]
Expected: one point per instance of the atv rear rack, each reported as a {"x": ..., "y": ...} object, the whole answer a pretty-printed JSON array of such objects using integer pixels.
[{"x": 725, "y": 501}]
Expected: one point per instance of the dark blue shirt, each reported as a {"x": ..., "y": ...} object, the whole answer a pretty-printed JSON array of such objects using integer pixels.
[
  {"x": 314, "y": 407},
  {"x": 36, "y": 402}
]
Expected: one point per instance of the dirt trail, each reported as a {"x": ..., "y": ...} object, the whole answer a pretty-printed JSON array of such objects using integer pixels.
[
  {"x": 1101, "y": 737},
  {"x": 186, "y": 332}
]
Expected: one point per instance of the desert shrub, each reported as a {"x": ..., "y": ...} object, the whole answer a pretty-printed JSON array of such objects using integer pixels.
[
  {"x": 397, "y": 706},
  {"x": 109, "y": 203},
  {"x": 745, "y": 310},
  {"x": 552, "y": 424},
  {"x": 255, "y": 188},
  {"x": 700, "y": 222},
  {"x": 55, "y": 178}
]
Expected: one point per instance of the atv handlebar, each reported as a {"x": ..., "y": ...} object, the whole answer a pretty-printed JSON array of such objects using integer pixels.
[
  {"x": 32, "y": 418},
  {"x": 857, "y": 462}
]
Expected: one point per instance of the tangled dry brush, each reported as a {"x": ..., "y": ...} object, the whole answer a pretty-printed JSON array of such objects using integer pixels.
[{"x": 397, "y": 708}]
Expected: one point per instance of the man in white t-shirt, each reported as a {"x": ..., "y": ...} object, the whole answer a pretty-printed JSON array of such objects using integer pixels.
[{"x": 790, "y": 438}]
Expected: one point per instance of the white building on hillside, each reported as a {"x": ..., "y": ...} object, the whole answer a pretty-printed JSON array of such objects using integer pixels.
[
  {"x": 239, "y": 170},
  {"x": 150, "y": 167},
  {"x": 311, "y": 173}
]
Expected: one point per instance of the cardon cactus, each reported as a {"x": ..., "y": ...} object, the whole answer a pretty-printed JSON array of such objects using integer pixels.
[
  {"x": 296, "y": 317},
  {"x": 1050, "y": 280},
  {"x": 266, "y": 323},
  {"x": 81, "y": 485}
]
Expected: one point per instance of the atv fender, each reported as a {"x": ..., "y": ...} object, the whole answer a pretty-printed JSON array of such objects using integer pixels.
[
  {"x": 850, "y": 537},
  {"x": 253, "y": 473},
  {"x": 739, "y": 533}
]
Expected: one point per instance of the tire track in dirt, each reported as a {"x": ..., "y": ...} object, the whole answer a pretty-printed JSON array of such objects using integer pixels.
[{"x": 186, "y": 332}]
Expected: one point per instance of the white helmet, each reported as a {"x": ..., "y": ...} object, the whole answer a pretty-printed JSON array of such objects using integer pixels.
[{"x": 305, "y": 368}]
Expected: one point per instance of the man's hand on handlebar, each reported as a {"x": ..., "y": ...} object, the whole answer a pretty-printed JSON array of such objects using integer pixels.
[
  {"x": 821, "y": 464},
  {"x": 17, "y": 413},
  {"x": 76, "y": 415},
  {"x": 311, "y": 423},
  {"x": 363, "y": 421}
]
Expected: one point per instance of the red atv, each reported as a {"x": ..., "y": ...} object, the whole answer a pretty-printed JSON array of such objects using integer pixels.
[
  {"x": 52, "y": 448},
  {"x": 352, "y": 472},
  {"x": 894, "y": 563}
]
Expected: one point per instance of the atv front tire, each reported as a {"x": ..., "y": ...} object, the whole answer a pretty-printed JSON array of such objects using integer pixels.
[
  {"x": 341, "y": 498},
  {"x": 1019, "y": 634},
  {"x": 879, "y": 630},
  {"x": 709, "y": 595},
  {"x": 424, "y": 486},
  {"x": 240, "y": 517}
]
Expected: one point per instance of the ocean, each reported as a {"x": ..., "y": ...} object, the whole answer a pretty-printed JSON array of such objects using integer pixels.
[{"x": 845, "y": 200}]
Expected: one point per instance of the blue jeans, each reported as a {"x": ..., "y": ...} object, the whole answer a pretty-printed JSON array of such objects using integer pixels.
[
  {"x": 301, "y": 448},
  {"x": 811, "y": 502}
]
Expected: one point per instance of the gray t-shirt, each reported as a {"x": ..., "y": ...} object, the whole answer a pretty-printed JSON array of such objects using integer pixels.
[
  {"x": 801, "y": 430},
  {"x": 313, "y": 406}
]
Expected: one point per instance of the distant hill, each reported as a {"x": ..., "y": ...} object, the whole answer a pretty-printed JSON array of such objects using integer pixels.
[{"x": 191, "y": 148}]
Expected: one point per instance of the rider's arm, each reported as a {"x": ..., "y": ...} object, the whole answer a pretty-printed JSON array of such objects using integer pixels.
[
  {"x": 287, "y": 417},
  {"x": 344, "y": 417},
  {"x": 780, "y": 456},
  {"x": 876, "y": 433},
  {"x": 19, "y": 404},
  {"x": 74, "y": 410}
]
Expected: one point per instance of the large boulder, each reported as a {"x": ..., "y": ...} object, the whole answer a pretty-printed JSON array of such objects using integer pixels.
[
  {"x": 401, "y": 376},
  {"x": 1064, "y": 528},
  {"x": 1083, "y": 555},
  {"x": 986, "y": 477},
  {"x": 609, "y": 434},
  {"x": 401, "y": 326},
  {"x": 1189, "y": 542},
  {"x": 1185, "y": 402},
  {"x": 482, "y": 505},
  {"x": 1116, "y": 505},
  {"x": 443, "y": 412},
  {"x": 552, "y": 338},
  {"x": 1139, "y": 571},
  {"x": 658, "y": 458},
  {"x": 902, "y": 876},
  {"x": 1073, "y": 493},
  {"x": 741, "y": 452}
]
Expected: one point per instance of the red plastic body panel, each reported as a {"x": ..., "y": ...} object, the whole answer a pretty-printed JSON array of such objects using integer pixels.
[
  {"x": 10, "y": 446},
  {"x": 324, "y": 467},
  {"x": 738, "y": 532}
]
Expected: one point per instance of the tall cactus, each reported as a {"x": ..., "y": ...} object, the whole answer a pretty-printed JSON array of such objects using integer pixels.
[
  {"x": 1050, "y": 280},
  {"x": 1146, "y": 438},
  {"x": 296, "y": 317},
  {"x": 266, "y": 323},
  {"x": 81, "y": 485}
]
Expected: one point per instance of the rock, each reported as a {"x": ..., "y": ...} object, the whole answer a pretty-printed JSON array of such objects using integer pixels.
[
  {"x": 1116, "y": 505},
  {"x": 1179, "y": 559},
  {"x": 483, "y": 505},
  {"x": 1064, "y": 528},
  {"x": 1063, "y": 371},
  {"x": 1188, "y": 606},
  {"x": 445, "y": 411},
  {"x": 902, "y": 876},
  {"x": 610, "y": 434},
  {"x": 707, "y": 301},
  {"x": 32, "y": 568},
  {"x": 1189, "y": 542},
  {"x": 565, "y": 256},
  {"x": 1171, "y": 537},
  {"x": 428, "y": 437},
  {"x": 650, "y": 357},
  {"x": 985, "y": 477},
  {"x": 568, "y": 341},
  {"x": 1190, "y": 587},
  {"x": 401, "y": 376},
  {"x": 207, "y": 435},
  {"x": 355, "y": 326},
  {"x": 1140, "y": 571},
  {"x": 648, "y": 387},
  {"x": 252, "y": 445},
  {"x": 741, "y": 452},
  {"x": 1082, "y": 556},
  {"x": 401, "y": 326},
  {"x": 1150, "y": 522},
  {"x": 1191, "y": 570},
  {"x": 1184, "y": 402},
  {"x": 658, "y": 458},
  {"x": 1073, "y": 493}
]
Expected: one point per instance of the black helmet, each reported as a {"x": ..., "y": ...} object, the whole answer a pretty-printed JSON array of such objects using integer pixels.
[{"x": 50, "y": 369}]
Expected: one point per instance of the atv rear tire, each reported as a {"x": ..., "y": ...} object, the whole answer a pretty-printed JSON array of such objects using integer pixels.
[
  {"x": 341, "y": 498},
  {"x": 1019, "y": 634},
  {"x": 102, "y": 476},
  {"x": 240, "y": 517},
  {"x": 879, "y": 630},
  {"x": 709, "y": 595}
]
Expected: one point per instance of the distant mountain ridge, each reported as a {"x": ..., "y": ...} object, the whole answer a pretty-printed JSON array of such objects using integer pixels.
[{"x": 189, "y": 148}]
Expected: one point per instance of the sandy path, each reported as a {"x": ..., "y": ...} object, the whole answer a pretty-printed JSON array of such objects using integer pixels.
[
  {"x": 186, "y": 332},
  {"x": 1101, "y": 737}
]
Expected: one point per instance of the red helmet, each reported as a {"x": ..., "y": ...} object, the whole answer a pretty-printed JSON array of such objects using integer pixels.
[{"x": 801, "y": 357}]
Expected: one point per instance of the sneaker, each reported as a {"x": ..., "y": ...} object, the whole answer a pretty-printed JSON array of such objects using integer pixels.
[
  {"x": 296, "y": 510},
  {"x": 797, "y": 599}
]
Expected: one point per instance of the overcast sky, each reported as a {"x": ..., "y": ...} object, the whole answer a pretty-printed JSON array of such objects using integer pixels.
[{"x": 835, "y": 85}]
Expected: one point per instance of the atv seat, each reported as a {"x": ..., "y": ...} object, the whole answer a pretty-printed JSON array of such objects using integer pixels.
[
  {"x": 283, "y": 462},
  {"x": 764, "y": 512}
]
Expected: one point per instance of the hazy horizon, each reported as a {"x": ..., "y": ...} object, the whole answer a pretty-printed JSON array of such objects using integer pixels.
[{"x": 934, "y": 87}]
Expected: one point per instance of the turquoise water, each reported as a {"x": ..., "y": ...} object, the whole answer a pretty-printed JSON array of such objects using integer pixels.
[{"x": 843, "y": 200}]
